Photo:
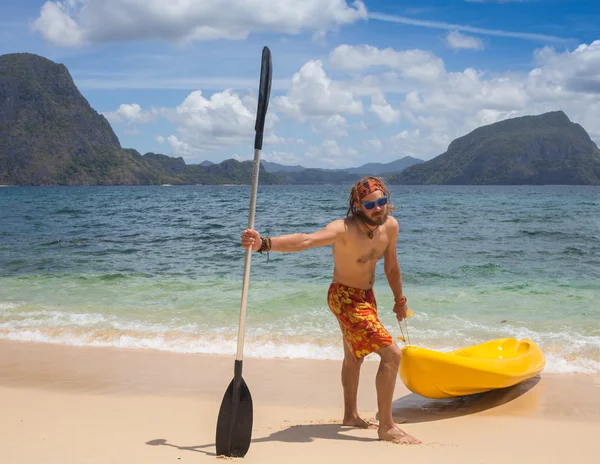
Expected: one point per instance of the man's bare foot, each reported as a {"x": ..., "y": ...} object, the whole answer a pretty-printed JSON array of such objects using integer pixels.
[
  {"x": 358, "y": 422},
  {"x": 396, "y": 435}
]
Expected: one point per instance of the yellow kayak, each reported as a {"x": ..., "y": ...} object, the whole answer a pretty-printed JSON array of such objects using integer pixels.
[{"x": 499, "y": 363}]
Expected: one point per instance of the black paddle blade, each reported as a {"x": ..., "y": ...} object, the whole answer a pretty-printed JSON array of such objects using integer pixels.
[
  {"x": 264, "y": 92},
  {"x": 234, "y": 425}
]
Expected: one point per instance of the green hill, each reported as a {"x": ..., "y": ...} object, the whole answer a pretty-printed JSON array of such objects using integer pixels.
[
  {"x": 542, "y": 149},
  {"x": 50, "y": 135}
]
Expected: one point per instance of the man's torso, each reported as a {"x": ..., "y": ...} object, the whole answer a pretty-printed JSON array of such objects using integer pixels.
[{"x": 355, "y": 254}]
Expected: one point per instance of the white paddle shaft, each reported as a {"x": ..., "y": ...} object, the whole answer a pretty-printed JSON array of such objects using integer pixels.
[{"x": 245, "y": 285}]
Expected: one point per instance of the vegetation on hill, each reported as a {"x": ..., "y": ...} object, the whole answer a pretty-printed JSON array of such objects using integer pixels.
[
  {"x": 541, "y": 149},
  {"x": 50, "y": 135}
]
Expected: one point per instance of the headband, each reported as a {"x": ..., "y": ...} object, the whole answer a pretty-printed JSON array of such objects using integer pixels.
[{"x": 368, "y": 187}]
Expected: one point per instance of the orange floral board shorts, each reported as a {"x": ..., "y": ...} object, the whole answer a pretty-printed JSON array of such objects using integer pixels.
[{"x": 356, "y": 311}]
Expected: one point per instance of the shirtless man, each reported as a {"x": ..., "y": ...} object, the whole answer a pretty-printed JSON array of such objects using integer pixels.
[{"x": 359, "y": 241}]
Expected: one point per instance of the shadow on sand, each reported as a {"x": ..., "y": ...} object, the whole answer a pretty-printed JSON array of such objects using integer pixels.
[
  {"x": 293, "y": 434},
  {"x": 414, "y": 408}
]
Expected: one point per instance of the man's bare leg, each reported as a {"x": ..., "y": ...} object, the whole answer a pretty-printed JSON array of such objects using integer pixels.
[
  {"x": 350, "y": 378},
  {"x": 385, "y": 382}
]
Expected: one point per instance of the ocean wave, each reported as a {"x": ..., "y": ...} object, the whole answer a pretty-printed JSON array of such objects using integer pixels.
[
  {"x": 7, "y": 306},
  {"x": 574, "y": 251},
  {"x": 565, "y": 352},
  {"x": 71, "y": 211},
  {"x": 558, "y": 235}
]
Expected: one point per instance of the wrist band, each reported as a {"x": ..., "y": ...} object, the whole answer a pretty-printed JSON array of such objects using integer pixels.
[
  {"x": 402, "y": 300},
  {"x": 265, "y": 245}
]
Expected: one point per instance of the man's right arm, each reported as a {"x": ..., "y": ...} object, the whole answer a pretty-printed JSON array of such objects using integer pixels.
[{"x": 297, "y": 242}]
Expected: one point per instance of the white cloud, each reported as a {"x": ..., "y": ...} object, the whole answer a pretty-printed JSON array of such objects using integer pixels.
[
  {"x": 57, "y": 26},
  {"x": 332, "y": 126},
  {"x": 458, "y": 41},
  {"x": 373, "y": 145},
  {"x": 427, "y": 114},
  {"x": 273, "y": 139},
  {"x": 416, "y": 64},
  {"x": 468, "y": 91},
  {"x": 131, "y": 114},
  {"x": 281, "y": 157},
  {"x": 204, "y": 124},
  {"x": 330, "y": 155},
  {"x": 565, "y": 81},
  {"x": 399, "y": 145},
  {"x": 326, "y": 154},
  {"x": 361, "y": 126},
  {"x": 579, "y": 70},
  {"x": 181, "y": 147},
  {"x": 314, "y": 94},
  {"x": 331, "y": 148},
  {"x": 143, "y": 79},
  {"x": 435, "y": 111},
  {"x": 71, "y": 23},
  {"x": 383, "y": 109}
]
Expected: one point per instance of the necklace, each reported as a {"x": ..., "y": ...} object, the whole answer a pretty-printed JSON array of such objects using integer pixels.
[{"x": 370, "y": 233}]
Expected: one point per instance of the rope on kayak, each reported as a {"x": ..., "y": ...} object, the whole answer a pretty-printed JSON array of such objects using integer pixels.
[{"x": 406, "y": 337}]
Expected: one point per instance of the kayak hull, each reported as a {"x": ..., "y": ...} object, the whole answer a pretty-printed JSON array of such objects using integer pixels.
[{"x": 498, "y": 363}]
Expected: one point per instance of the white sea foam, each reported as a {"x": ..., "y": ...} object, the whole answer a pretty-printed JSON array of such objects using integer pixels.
[
  {"x": 160, "y": 342},
  {"x": 311, "y": 334},
  {"x": 560, "y": 364},
  {"x": 4, "y": 306},
  {"x": 44, "y": 318},
  {"x": 565, "y": 353}
]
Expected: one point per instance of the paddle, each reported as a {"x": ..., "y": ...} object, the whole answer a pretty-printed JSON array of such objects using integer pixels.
[{"x": 234, "y": 424}]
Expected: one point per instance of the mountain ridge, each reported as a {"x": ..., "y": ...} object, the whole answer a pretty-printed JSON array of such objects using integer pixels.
[
  {"x": 534, "y": 149},
  {"x": 364, "y": 169},
  {"x": 50, "y": 135}
]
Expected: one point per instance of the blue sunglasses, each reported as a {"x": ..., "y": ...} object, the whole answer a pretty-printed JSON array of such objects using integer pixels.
[{"x": 371, "y": 204}]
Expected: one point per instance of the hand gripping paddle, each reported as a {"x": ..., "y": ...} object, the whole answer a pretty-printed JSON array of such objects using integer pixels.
[{"x": 234, "y": 424}]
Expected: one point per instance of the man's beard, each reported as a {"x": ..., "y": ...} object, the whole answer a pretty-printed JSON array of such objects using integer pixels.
[{"x": 376, "y": 221}]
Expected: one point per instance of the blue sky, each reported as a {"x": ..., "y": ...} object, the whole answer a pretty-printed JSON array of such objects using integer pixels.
[{"x": 353, "y": 82}]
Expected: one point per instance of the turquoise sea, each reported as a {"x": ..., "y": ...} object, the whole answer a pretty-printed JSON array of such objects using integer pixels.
[{"x": 162, "y": 268}]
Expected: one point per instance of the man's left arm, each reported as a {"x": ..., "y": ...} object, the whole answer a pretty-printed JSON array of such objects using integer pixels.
[{"x": 391, "y": 267}]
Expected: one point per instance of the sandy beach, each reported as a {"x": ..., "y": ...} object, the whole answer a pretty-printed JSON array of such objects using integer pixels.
[{"x": 107, "y": 405}]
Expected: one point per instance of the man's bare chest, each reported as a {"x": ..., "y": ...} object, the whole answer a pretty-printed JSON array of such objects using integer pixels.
[{"x": 368, "y": 250}]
